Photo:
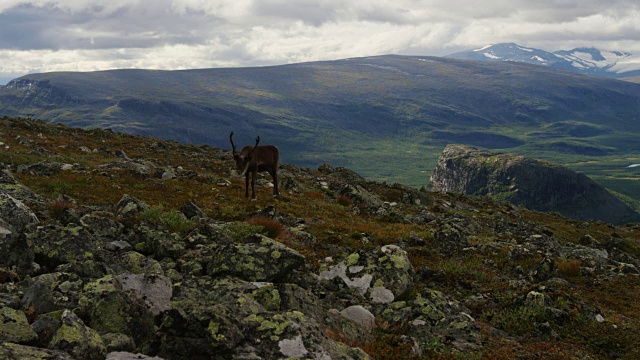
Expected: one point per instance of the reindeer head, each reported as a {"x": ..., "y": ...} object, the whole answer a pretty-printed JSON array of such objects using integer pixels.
[{"x": 244, "y": 159}]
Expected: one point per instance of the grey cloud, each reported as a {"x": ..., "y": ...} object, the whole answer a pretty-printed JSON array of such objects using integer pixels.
[
  {"x": 26, "y": 27},
  {"x": 314, "y": 13}
]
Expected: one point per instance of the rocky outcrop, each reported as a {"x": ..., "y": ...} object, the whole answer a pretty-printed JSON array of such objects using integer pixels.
[{"x": 535, "y": 184}]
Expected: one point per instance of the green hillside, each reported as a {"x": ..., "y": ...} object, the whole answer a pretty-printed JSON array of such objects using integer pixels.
[{"x": 387, "y": 117}]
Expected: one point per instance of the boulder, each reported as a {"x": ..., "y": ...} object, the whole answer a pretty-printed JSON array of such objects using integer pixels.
[
  {"x": 13, "y": 351},
  {"x": 14, "y": 327},
  {"x": 261, "y": 260},
  {"x": 75, "y": 338},
  {"x": 110, "y": 308},
  {"x": 381, "y": 276}
]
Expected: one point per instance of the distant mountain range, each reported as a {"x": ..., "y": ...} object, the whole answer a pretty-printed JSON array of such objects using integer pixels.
[
  {"x": 590, "y": 61},
  {"x": 386, "y": 117}
]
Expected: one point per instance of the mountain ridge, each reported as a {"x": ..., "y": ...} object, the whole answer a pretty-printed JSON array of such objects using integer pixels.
[
  {"x": 404, "y": 109},
  {"x": 591, "y": 61}
]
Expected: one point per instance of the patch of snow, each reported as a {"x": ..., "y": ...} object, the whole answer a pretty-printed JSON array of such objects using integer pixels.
[
  {"x": 633, "y": 165},
  {"x": 578, "y": 65},
  {"x": 483, "y": 48},
  {"x": 628, "y": 64},
  {"x": 491, "y": 56},
  {"x": 525, "y": 49},
  {"x": 538, "y": 58}
]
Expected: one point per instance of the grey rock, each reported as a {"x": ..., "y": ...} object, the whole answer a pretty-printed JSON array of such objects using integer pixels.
[
  {"x": 39, "y": 298},
  {"x": 123, "y": 355},
  {"x": 293, "y": 348},
  {"x": 129, "y": 206},
  {"x": 360, "y": 316},
  {"x": 15, "y": 213},
  {"x": 118, "y": 246},
  {"x": 154, "y": 290}
]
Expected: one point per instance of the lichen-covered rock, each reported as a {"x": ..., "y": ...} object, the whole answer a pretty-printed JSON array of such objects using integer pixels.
[
  {"x": 111, "y": 309},
  {"x": 9, "y": 185},
  {"x": 118, "y": 342},
  {"x": 75, "y": 338},
  {"x": 192, "y": 210},
  {"x": 14, "y": 327},
  {"x": 233, "y": 318},
  {"x": 432, "y": 314},
  {"x": 450, "y": 240},
  {"x": 543, "y": 270},
  {"x": 161, "y": 244},
  {"x": 132, "y": 262},
  {"x": 382, "y": 276},
  {"x": 17, "y": 252},
  {"x": 15, "y": 217},
  {"x": 54, "y": 245},
  {"x": 12, "y": 351},
  {"x": 138, "y": 167},
  {"x": 101, "y": 226},
  {"x": 262, "y": 260},
  {"x": 360, "y": 196},
  {"x": 44, "y": 168},
  {"x": 15, "y": 213},
  {"x": 129, "y": 206}
]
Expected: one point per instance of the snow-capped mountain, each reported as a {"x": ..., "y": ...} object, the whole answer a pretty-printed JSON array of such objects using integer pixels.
[{"x": 584, "y": 60}]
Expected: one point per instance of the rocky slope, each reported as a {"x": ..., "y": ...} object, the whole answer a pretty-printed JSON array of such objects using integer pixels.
[
  {"x": 535, "y": 184},
  {"x": 126, "y": 247}
]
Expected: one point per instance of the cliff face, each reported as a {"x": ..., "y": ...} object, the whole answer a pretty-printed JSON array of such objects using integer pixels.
[{"x": 535, "y": 184}]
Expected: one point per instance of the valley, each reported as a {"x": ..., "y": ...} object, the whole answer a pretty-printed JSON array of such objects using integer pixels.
[{"x": 386, "y": 117}]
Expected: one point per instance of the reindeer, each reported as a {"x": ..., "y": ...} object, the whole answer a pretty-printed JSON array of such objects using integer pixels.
[{"x": 255, "y": 159}]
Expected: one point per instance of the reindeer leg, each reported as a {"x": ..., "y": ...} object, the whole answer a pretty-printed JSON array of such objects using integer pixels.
[
  {"x": 253, "y": 185},
  {"x": 274, "y": 175},
  {"x": 246, "y": 185}
]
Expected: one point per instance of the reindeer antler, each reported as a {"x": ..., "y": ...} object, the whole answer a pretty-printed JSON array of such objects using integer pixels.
[
  {"x": 233, "y": 147},
  {"x": 255, "y": 146}
]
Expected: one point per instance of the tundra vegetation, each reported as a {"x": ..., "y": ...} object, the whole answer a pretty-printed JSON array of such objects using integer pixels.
[{"x": 114, "y": 244}]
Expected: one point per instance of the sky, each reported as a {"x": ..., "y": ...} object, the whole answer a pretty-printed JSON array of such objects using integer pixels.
[{"x": 84, "y": 35}]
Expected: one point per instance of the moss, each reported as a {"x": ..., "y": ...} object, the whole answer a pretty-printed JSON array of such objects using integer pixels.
[
  {"x": 15, "y": 327},
  {"x": 432, "y": 313},
  {"x": 101, "y": 286},
  {"x": 267, "y": 296},
  {"x": 275, "y": 326},
  {"x": 352, "y": 259},
  {"x": 78, "y": 340},
  {"x": 214, "y": 331},
  {"x": 108, "y": 314}
]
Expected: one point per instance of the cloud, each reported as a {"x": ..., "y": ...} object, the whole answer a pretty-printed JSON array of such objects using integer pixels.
[{"x": 48, "y": 35}]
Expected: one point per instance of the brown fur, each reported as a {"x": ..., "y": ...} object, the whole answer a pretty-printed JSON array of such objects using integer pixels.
[{"x": 254, "y": 159}]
